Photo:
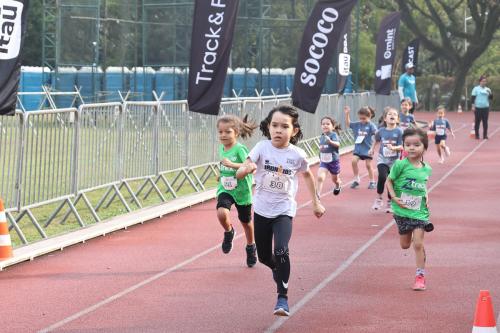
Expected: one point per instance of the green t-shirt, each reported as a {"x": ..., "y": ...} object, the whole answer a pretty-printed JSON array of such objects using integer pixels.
[
  {"x": 239, "y": 189},
  {"x": 410, "y": 184}
]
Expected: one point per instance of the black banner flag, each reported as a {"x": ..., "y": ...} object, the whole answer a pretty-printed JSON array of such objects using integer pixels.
[
  {"x": 411, "y": 54},
  {"x": 344, "y": 58},
  {"x": 387, "y": 39},
  {"x": 13, "y": 15},
  {"x": 211, "y": 41},
  {"x": 317, "y": 49}
]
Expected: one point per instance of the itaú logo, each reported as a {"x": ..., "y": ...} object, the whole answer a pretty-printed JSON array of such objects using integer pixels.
[
  {"x": 319, "y": 43},
  {"x": 10, "y": 28}
]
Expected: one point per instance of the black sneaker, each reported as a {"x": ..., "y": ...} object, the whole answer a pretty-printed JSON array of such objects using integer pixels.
[
  {"x": 355, "y": 184},
  {"x": 337, "y": 190},
  {"x": 227, "y": 243},
  {"x": 429, "y": 227},
  {"x": 251, "y": 255}
]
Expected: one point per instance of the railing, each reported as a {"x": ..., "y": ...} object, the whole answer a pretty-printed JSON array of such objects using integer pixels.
[{"x": 63, "y": 169}]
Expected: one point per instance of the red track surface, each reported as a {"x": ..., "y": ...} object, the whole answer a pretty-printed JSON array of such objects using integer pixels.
[{"x": 162, "y": 277}]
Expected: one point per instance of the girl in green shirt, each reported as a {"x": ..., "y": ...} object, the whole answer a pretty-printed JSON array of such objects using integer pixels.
[
  {"x": 407, "y": 185},
  {"x": 232, "y": 191}
]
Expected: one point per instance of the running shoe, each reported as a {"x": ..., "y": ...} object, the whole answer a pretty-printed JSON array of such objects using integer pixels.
[
  {"x": 388, "y": 209},
  {"x": 281, "y": 308},
  {"x": 372, "y": 185},
  {"x": 441, "y": 160},
  {"x": 337, "y": 190},
  {"x": 419, "y": 283},
  {"x": 227, "y": 243},
  {"x": 377, "y": 204},
  {"x": 355, "y": 184},
  {"x": 251, "y": 255},
  {"x": 447, "y": 151}
]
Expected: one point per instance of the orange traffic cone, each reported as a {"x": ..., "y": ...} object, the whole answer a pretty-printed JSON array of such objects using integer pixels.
[
  {"x": 472, "y": 133},
  {"x": 484, "y": 320},
  {"x": 5, "y": 243}
]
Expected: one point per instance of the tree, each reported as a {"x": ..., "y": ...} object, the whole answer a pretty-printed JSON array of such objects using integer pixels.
[{"x": 447, "y": 17}]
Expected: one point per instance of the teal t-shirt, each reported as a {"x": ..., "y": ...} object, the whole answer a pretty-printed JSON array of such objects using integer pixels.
[
  {"x": 407, "y": 81},
  {"x": 410, "y": 184},
  {"x": 482, "y": 96},
  {"x": 239, "y": 189}
]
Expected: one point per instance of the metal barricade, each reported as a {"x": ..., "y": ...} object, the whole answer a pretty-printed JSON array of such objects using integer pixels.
[
  {"x": 99, "y": 129},
  {"x": 59, "y": 156},
  {"x": 49, "y": 157},
  {"x": 11, "y": 132},
  {"x": 138, "y": 140}
]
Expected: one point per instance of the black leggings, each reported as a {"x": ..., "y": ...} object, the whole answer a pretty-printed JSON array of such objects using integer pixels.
[
  {"x": 280, "y": 228},
  {"x": 481, "y": 114},
  {"x": 383, "y": 172}
]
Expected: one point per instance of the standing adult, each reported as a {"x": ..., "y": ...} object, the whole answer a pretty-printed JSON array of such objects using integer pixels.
[
  {"x": 407, "y": 86},
  {"x": 481, "y": 96}
]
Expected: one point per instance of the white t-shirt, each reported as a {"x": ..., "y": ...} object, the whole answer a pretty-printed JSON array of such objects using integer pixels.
[{"x": 276, "y": 180}]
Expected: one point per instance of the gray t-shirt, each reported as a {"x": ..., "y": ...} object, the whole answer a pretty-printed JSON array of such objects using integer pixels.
[
  {"x": 327, "y": 152},
  {"x": 276, "y": 180},
  {"x": 388, "y": 136},
  {"x": 363, "y": 137}
]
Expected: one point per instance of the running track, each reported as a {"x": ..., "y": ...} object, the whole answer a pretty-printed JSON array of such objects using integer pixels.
[{"x": 348, "y": 272}]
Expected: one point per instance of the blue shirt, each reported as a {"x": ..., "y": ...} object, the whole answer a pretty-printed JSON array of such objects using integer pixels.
[
  {"x": 388, "y": 136},
  {"x": 440, "y": 125},
  {"x": 363, "y": 136},
  {"x": 328, "y": 153},
  {"x": 482, "y": 96},
  {"x": 405, "y": 120},
  {"x": 409, "y": 88}
]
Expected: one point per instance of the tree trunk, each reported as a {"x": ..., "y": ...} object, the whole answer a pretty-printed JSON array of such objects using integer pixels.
[{"x": 458, "y": 89}]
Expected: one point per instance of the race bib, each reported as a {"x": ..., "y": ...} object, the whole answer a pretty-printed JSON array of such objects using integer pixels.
[
  {"x": 360, "y": 139},
  {"x": 229, "y": 183},
  {"x": 440, "y": 131},
  {"x": 404, "y": 126},
  {"x": 326, "y": 157},
  {"x": 276, "y": 183},
  {"x": 411, "y": 202},
  {"x": 389, "y": 152}
]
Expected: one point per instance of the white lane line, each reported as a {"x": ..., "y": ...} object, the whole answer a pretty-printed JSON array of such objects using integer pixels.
[
  {"x": 348, "y": 262},
  {"x": 148, "y": 280}
]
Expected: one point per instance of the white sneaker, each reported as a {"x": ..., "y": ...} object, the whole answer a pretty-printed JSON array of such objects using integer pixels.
[
  {"x": 441, "y": 160},
  {"x": 447, "y": 151},
  {"x": 377, "y": 204}
]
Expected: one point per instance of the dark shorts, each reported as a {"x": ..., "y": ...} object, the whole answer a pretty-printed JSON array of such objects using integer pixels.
[
  {"x": 406, "y": 225},
  {"x": 363, "y": 157},
  {"x": 333, "y": 167},
  {"x": 439, "y": 138},
  {"x": 226, "y": 200}
]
